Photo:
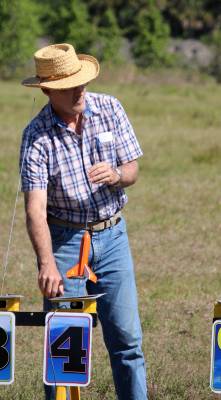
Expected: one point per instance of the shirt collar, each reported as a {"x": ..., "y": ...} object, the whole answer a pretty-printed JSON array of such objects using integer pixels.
[
  {"x": 91, "y": 107},
  {"x": 49, "y": 117},
  {"x": 56, "y": 120}
]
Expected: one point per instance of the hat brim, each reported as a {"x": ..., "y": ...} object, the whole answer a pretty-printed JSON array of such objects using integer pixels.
[{"x": 89, "y": 71}]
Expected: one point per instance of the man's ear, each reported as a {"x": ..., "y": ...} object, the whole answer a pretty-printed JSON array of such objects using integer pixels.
[{"x": 45, "y": 91}]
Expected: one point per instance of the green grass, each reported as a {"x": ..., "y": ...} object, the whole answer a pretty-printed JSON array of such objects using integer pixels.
[{"x": 174, "y": 226}]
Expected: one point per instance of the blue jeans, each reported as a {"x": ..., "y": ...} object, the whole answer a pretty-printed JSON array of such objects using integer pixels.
[{"x": 110, "y": 259}]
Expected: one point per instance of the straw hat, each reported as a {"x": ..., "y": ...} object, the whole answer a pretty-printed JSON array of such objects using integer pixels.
[{"x": 59, "y": 67}]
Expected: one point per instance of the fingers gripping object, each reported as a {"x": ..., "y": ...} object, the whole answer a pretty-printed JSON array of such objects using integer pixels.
[{"x": 82, "y": 269}]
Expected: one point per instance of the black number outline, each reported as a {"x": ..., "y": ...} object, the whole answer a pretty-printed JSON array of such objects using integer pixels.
[
  {"x": 2, "y": 347},
  {"x": 86, "y": 356}
]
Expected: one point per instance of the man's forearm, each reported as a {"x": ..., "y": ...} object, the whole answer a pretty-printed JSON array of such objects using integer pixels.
[
  {"x": 129, "y": 174},
  {"x": 49, "y": 279},
  {"x": 39, "y": 234}
]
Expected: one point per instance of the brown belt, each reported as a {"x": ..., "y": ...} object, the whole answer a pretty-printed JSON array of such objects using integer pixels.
[{"x": 92, "y": 226}]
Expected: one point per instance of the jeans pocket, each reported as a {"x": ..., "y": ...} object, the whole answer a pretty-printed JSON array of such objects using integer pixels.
[
  {"x": 120, "y": 228},
  {"x": 58, "y": 233}
]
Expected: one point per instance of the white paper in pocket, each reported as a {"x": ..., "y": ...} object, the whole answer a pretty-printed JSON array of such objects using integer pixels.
[{"x": 105, "y": 137}]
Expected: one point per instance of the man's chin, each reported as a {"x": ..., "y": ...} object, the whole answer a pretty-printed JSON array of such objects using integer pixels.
[{"x": 78, "y": 107}]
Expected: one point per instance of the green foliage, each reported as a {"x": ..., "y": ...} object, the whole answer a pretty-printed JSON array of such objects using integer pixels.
[
  {"x": 68, "y": 21},
  {"x": 124, "y": 13},
  {"x": 216, "y": 38},
  {"x": 152, "y": 34},
  {"x": 191, "y": 19},
  {"x": 109, "y": 37},
  {"x": 18, "y": 30},
  {"x": 72, "y": 22},
  {"x": 98, "y": 27},
  {"x": 215, "y": 67}
]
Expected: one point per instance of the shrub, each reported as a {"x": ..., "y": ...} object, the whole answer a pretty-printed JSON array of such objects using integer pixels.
[{"x": 152, "y": 35}]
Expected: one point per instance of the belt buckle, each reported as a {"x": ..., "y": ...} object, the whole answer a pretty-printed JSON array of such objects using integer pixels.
[
  {"x": 106, "y": 224},
  {"x": 93, "y": 228}
]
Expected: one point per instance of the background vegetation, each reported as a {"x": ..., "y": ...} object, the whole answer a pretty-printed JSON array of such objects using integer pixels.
[
  {"x": 174, "y": 226},
  {"x": 108, "y": 28}
]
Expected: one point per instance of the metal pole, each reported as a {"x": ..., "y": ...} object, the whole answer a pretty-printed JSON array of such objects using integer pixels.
[
  {"x": 75, "y": 393},
  {"x": 61, "y": 393}
]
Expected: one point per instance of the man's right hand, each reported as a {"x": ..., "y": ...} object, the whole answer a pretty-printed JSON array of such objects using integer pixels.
[{"x": 50, "y": 281}]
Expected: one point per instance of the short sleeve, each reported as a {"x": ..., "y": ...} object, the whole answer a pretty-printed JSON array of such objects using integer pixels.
[
  {"x": 33, "y": 163},
  {"x": 127, "y": 146}
]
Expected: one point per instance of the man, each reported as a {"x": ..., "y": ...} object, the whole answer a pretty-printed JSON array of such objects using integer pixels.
[{"x": 77, "y": 155}]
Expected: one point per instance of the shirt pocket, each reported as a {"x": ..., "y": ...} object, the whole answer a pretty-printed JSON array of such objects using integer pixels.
[{"x": 106, "y": 149}]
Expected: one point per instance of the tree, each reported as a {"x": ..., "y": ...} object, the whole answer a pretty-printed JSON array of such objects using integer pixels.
[
  {"x": 19, "y": 28},
  {"x": 109, "y": 37},
  {"x": 192, "y": 19},
  {"x": 152, "y": 34},
  {"x": 68, "y": 21}
]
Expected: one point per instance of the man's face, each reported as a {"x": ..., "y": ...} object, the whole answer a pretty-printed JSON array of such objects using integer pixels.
[{"x": 68, "y": 101}]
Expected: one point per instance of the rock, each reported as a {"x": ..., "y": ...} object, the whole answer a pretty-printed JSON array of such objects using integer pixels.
[{"x": 192, "y": 52}]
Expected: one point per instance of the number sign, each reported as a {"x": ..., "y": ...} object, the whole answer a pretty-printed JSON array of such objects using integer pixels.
[
  {"x": 7, "y": 347},
  {"x": 67, "y": 349},
  {"x": 215, "y": 371}
]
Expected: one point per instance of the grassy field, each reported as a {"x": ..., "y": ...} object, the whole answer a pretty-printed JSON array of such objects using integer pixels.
[{"x": 174, "y": 223}]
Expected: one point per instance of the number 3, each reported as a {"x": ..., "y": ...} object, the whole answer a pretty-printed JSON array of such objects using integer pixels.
[{"x": 4, "y": 356}]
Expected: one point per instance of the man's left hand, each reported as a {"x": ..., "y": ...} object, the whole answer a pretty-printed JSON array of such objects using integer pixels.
[{"x": 102, "y": 172}]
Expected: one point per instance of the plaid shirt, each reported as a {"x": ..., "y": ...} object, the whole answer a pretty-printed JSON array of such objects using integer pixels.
[{"x": 55, "y": 159}]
